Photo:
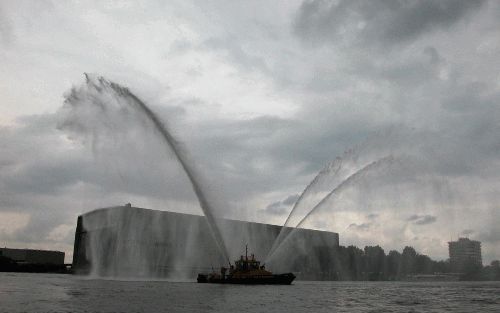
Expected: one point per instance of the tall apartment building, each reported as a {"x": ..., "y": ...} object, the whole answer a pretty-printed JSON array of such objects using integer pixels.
[{"x": 465, "y": 254}]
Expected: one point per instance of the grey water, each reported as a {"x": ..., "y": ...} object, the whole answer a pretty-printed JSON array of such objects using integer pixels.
[{"x": 23, "y": 292}]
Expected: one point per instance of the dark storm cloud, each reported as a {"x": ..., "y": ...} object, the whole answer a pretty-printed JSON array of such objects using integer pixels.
[
  {"x": 228, "y": 151},
  {"x": 476, "y": 104},
  {"x": 118, "y": 163},
  {"x": 38, "y": 161},
  {"x": 45, "y": 174},
  {"x": 437, "y": 86},
  {"x": 46, "y": 177},
  {"x": 467, "y": 232},
  {"x": 459, "y": 122},
  {"x": 319, "y": 224},
  {"x": 281, "y": 207},
  {"x": 25, "y": 165},
  {"x": 42, "y": 222},
  {"x": 34, "y": 162},
  {"x": 290, "y": 200},
  {"x": 489, "y": 232},
  {"x": 240, "y": 149},
  {"x": 319, "y": 136},
  {"x": 490, "y": 236},
  {"x": 405, "y": 72},
  {"x": 379, "y": 22},
  {"x": 5, "y": 28},
  {"x": 35, "y": 170},
  {"x": 360, "y": 227},
  {"x": 275, "y": 208},
  {"x": 422, "y": 219},
  {"x": 232, "y": 50},
  {"x": 475, "y": 98}
]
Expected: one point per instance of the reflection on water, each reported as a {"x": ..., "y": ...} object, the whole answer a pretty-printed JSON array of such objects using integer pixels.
[{"x": 64, "y": 293}]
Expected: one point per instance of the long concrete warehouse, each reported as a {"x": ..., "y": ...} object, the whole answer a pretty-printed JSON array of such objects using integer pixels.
[{"x": 126, "y": 241}]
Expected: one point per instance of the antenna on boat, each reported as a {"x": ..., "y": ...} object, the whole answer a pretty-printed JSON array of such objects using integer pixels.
[
  {"x": 246, "y": 252},
  {"x": 211, "y": 260},
  {"x": 229, "y": 262}
]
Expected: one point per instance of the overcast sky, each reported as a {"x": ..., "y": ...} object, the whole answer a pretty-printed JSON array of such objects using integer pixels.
[{"x": 263, "y": 95}]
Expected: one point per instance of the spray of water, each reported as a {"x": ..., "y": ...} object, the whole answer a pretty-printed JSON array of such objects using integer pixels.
[
  {"x": 375, "y": 147},
  {"x": 349, "y": 181},
  {"x": 331, "y": 169},
  {"x": 95, "y": 91},
  {"x": 326, "y": 180}
]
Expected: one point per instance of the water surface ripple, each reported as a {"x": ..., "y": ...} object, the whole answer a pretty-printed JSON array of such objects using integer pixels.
[{"x": 65, "y": 293}]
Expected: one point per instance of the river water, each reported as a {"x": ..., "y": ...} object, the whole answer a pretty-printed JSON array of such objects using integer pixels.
[{"x": 20, "y": 292}]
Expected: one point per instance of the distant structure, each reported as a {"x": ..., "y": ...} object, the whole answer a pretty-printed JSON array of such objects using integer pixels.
[
  {"x": 465, "y": 254},
  {"x": 127, "y": 241},
  {"x": 29, "y": 256}
]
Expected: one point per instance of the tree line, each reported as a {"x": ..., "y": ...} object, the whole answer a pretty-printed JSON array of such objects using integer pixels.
[{"x": 372, "y": 263}]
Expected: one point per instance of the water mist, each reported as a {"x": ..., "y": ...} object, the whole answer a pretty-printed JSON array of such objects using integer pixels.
[
  {"x": 97, "y": 95},
  {"x": 286, "y": 234}
]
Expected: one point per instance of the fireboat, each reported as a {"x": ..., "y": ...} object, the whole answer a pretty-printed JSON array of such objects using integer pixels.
[{"x": 247, "y": 270}]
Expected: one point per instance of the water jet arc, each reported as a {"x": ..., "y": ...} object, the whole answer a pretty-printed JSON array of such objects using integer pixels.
[
  {"x": 337, "y": 164},
  {"x": 181, "y": 157},
  {"x": 335, "y": 191}
]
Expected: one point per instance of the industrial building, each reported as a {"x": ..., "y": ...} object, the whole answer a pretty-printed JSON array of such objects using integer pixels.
[
  {"x": 29, "y": 256},
  {"x": 127, "y": 241},
  {"x": 465, "y": 254}
]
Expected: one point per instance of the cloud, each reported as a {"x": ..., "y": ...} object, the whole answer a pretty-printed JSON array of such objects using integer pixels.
[
  {"x": 281, "y": 207},
  {"x": 319, "y": 224},
  {"x": 380, "y": 23},
  {"x": 360, "y": 227},
  {"x": 422, "y": 219},
  {"x": 467, "y": 232},
  {"x": 275, "y": 209},
  {"x": 489, "y": 236},
  {"x": 291, "y": 199},
  {"x": 6, "y": 34},
  {"x": 10, "y": 222},
  {"x": 489, "y": 232},
  {"x": 260, "y": 111},
  {"x": 232, "y": 49}
]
